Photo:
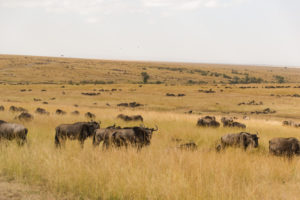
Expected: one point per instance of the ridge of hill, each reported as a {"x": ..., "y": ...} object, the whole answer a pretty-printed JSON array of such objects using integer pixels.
[{"x": 16, "y": 69}]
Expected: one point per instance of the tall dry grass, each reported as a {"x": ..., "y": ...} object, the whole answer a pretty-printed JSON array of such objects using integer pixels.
[{"x": 160, "y": 171}]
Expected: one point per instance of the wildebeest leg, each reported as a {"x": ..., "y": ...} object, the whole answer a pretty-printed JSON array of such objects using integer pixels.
[
  {"x": 105, "y": 144},
  {"x": 21, "y": 142}
]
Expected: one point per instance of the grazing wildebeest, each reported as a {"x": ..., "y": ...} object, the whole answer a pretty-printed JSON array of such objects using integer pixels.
[
  {"x": 208, "y": 121},
  {"x": 284, "y": 146},
  {"x": 41, "y": 111},
  {"x": 134, "y": 136},
  {"x": 188, "y": 146},
  {"x": 90, "y": 115},
  {"x": 130, "y": 118},
  {"x": 228, "y": 122},
  {"x": 17, "y": 109},
  {"x": 24, "y": 116},
  {"x": 242, "y": 139},
  {"x": 80, "y": 131},
  {"x": 10, "y": 131},
  {"x": 60, "y": 112}
]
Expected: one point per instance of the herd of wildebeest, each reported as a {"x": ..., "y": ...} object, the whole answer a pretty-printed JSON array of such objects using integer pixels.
[{"x": 140, "y": 136}]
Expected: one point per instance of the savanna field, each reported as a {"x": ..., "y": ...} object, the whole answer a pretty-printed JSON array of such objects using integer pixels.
[{"x": 160, "y": 170}]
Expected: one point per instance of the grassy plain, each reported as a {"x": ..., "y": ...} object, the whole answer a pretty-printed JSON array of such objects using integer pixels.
[{"x": 160, "y": 171}]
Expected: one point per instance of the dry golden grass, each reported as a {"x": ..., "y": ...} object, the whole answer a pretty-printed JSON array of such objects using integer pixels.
[
  {"x": 160, "y": 171},
  {"x": 51, "y": 70}
]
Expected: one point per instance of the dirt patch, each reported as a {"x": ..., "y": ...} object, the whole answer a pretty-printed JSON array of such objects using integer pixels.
[{"x": 12, "y": 190}]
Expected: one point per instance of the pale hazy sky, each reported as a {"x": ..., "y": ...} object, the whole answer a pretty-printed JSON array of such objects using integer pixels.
[{"x": 218, "y": 31}]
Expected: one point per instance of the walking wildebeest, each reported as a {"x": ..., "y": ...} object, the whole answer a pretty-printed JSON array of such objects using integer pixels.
[
  {"x": 242, "y": 139},
  {"x": 284, "y": 146},
  {"x": 80, "y": 131},
  {"x": 10, "y": 131},
  {"x": 134, "y": 136},
  {"x": 208, "y": 121},
  {"x": 130, "y": 118}
]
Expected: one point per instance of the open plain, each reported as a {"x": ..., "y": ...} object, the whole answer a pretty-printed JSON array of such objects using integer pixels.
[{"x": 160, "y": 170}]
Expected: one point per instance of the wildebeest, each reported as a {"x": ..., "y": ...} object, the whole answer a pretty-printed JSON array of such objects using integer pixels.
[
  {"x": 284, "y": 146},
  {"x": 11, "y": 131},
  {"x": 41, "y": 111},
  {"x": 188, "y": 146},
  {"x": 24, "y": 116},
  {"x": 228, "y": 122},
  {"x": 130, "y": 118},
  {"x": 208, "y": 121},
  {"x": 60, "y": 112},
  {"x": 100, "y": 134},
  {"x": 133, "y": 136},
  {"x": 90, "y": 115},
  {"x": 17, "y": 109},
  {"x": 2, "y": 108},
  {"x": 131, "y": 104},
  {"x": 76, "y": 112},
  {"x": 242, "y": 140},
  {"x": 80, "y": 131}
]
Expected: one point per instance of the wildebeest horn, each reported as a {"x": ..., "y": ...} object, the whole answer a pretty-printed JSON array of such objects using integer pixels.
[{"x": 156, "y": 128}]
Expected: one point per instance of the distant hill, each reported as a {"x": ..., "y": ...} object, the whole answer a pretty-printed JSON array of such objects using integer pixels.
[{"x": 54, "y": 70}]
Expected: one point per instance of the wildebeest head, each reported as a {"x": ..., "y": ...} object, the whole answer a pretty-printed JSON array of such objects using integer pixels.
[
  {"x": 148, "y": 133},
  {"x": 249, "y": 139},
  {"x": 92, "y": 126}
]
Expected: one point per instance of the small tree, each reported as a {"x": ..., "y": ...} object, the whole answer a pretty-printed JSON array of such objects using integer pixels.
[
  {"x": 279, "y": 79},
  {"x": 145, "y": 76}
]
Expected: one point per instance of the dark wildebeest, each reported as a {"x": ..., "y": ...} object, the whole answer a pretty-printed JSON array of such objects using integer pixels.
[
  {"x": 41, "y": 111},
  {"x": 242, "y": 140},
  {"x": 208, "y": 121},
  {"x": 90, "y": 115},
  {"x": 60, "y": 112},
  {"x": 134, "y": 136},
  {"x": 24, "y": 116},
  {"x": 80, "y": 131},
  {"x": 130, "y": 118},
  {"x": 284, "y": 146},
  {"x": 10, "y": 131},
  {"x": 2, "y": 108}
]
